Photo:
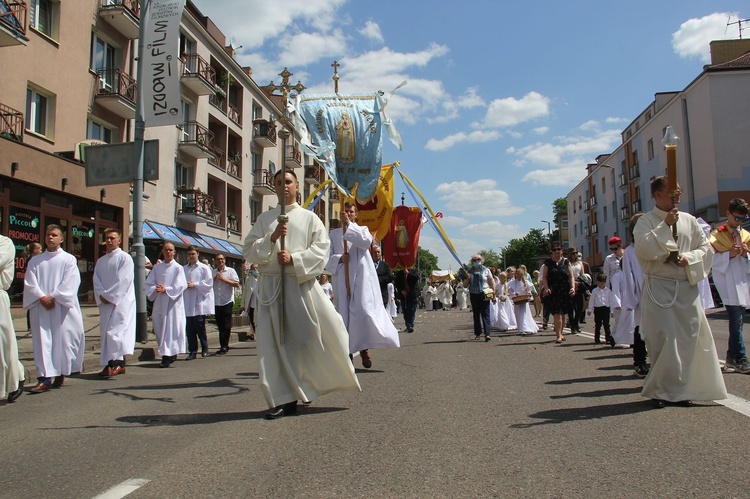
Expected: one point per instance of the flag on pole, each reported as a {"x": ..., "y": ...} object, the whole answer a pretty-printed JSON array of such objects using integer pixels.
[{"x": 401, "y": 243}]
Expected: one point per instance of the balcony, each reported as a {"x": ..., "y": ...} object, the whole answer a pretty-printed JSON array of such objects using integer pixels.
[
  {"x": 11, "y": 123},
  {"x": 586, "y": 205},
  {"x": 623, "y": 181},
  {"x": 314, "y": 174},
  {"x": 198, "y": 75},
  {"x": 333, "y": 193},
  {"x": 233, "y": 222},
  {"x": 234, "y": 165},
  {"x": 197, "y": 140},
  {"x": 594, "y": 229},
  {"x": 219, "y": 159},
  {"x": 264, "y": 133},
  {"x": 233, "y": 113},
  {"x": 635, "y": 172},
  {"x": 292, "y": 156},
  {"x": 123, "y": 15},
  {"x": 116, "y": 92},
  {"x": 195, "y": 206},
  {"x": 587, "y": 231},
  {"x": 624, "y": 214},
  {"x": 263, "y": 182},
  {"x": 635, "y": 207},
  {"x": 592, "y": 202},
  {"x": 218, "y": 218},
  {"x": 13, "y": 23}
]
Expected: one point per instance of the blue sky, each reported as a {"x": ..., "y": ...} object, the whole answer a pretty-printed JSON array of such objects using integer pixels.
[{"x": 506, "y": 101}]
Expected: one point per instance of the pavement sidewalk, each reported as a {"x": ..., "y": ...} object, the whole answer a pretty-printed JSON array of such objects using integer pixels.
[{"x": 143, "y": 351}]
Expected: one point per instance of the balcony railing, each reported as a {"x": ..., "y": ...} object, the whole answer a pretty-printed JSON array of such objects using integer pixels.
[
  {"x": 114, "y": 81},
  {"x": 623, "y": 180},
  {"x": 233, "y": 222},
  {"x": 218, "y": 159},
  {"x": 196, "y": 202},
  {"x": 218, "y": 217},
  {"x": 587, "y": 231},
  {"x": 292, "y": 156},
  {"x": 592, "y": 202},
  {"x": 198, "y": 74},
  {"x": 263, "y": 181},
  {"x": 197, "y": 140},
  {"x": 635, "y": 172},
  {"x": 234, "y": 165},
  {"x": 233, "y": 113},
  {"x": 13, "y": 18},
  {"x": 264, "y": 133},
  {"x": 333, "y": 193},
  {"x": 635, "y": 207},
  {"x": 11, "y": 123},
  {"x": 586, "y": 205},
  {"x": 624, "y": 213},
  {"x": 594, "y": 229},
  {"x": 124, "y": 15},
  {"x": 313, "y": 174}
]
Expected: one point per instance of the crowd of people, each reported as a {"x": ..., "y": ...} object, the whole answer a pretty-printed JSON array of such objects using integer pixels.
[{"x": 340, "y": 297}]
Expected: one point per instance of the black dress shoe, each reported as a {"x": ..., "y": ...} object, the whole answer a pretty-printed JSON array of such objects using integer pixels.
[
  {"x": 685, "y": 403},
  {"x": 658, "y": 403},
  {"x": 192, "y": 356},
  {"x": 222, "y": 351},
  {"x": 290, "y": 408},
  {"x": 12, "y": 396},
  {"x": 205, "y": 353}
]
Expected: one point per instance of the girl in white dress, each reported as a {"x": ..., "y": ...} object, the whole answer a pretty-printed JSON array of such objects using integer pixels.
[
  {"x": 518, "y": 287},
  {"x": 506, "y": 319},
  {"x": 392, "y": 300}
]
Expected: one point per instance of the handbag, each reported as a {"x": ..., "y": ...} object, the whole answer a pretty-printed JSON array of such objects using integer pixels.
[{"x": 488, "y": 294}]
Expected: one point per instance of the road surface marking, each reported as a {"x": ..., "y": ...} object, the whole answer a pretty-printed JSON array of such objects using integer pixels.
[{"x": 123, "y": 489}]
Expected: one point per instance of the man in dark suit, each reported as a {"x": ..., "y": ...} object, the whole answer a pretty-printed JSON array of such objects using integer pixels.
[{"x": 383, "y": 270}]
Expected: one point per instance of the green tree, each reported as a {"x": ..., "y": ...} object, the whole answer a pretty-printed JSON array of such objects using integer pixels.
[
  {"x": 529, "y": 250},
  {"x": 492, "y": 258},
  {"x": 426, "y": 262}
]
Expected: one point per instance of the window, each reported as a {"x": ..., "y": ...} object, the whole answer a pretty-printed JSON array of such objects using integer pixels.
[
  {"x": 255, "y": 209},
  {"x": 604, "y": 213},
  {"x": 564, "y": 223},
  {"x": 650, "y": 149},
  {"x": 98, "y": 131},
  {"x": 183, "y": 175},
  {"x": 187, "y": 46},
  {"x": 579, "y": 202},
  {"x": 185, "y": 107},
  {"x": 604, "y": 184},
  {"x": 257, "y": 112},
  {"x": 103, "y": 61},
  {"x": 575, "y": 231},
  {"x": 43, "y": 16},
  {"x": 271, "y": 168},
  {"x": 40, "y": 112}
]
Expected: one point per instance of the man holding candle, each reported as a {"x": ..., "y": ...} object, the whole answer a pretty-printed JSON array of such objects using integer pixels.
[
  {"x": 674, "y": 326},
  {"x": 731, "y": 271}
]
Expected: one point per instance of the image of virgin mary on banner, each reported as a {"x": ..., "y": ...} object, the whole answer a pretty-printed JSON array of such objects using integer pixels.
[
  {"x": 402, "y": 241},
  {"x": 346, "y": 133}
]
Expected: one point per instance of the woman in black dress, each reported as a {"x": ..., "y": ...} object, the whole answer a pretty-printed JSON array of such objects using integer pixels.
[{"x": 558, "y": 287}]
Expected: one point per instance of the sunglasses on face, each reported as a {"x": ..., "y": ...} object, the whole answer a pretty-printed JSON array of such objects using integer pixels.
[
  {"x": 557, "y": 249},
  {"x": 614, "y": 248},
  {"x": 738, "y": 219}
]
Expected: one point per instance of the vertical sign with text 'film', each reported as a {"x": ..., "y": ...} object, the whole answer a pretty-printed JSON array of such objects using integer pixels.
[{"x": 161, "y": 65}]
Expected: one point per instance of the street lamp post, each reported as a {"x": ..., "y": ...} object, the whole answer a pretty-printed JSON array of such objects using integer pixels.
[{"x": 549, "y": 230}]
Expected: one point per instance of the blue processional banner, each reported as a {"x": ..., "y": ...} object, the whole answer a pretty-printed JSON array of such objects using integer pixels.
[{"x": 347, "y": 133}]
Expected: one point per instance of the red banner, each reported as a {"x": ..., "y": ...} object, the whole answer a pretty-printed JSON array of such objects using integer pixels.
[{"x": 400, "y": 244}]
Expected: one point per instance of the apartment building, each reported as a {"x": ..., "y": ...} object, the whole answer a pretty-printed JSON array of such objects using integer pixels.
[
  {"x": 215, "y": 169},
  {"x": 712, "y": 118}
]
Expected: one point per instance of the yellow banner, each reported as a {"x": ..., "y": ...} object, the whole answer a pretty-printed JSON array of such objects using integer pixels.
[{"x": 376, "y": 212}]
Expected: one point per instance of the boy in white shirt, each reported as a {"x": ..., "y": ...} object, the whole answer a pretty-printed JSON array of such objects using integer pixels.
[{"x": 601, "y": 304}]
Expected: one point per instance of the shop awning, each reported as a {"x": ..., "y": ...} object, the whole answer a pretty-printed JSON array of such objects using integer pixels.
[{"x": 184, "y": 238}]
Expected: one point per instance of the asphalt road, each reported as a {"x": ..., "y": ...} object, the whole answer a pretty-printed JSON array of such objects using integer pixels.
[{"x": 440, "y": 417}]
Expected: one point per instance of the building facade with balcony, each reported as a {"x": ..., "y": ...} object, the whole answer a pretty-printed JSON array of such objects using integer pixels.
[
  {"x": 712, "y": 117},
  {"x": 76, "y": 91}
]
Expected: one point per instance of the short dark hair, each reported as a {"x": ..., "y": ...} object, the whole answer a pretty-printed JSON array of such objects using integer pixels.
[
  {"x": 658, "y": 184},
  {"x": 110, "y": 230},
  {"x": 192, "y": 247},
  {"x": 54, "y": 227},
  {"x": 349, "y": 204},
  {"x": 631, "y": 224},
  {"x": 601, "y": 277},
  {"x": 738, "y": 206},
  {"x": 289, "y": 171}
]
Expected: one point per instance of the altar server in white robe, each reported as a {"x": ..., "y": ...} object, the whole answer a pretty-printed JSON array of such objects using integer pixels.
[
  {"x": 12, "y": 374},
  {"x": 392, "y": 309},
  {"x": 308, "y": 357},
  {"x": 622, "y": 334},
  {"x": 461, "y": 296},
  {"x": 164, "y": 286},
  {"x": 445, "y": 295},
  {"x": 50, "y": 292},
  {"x": 632, "y": 279},
  {"x": 519, "y": 287},
  {"x": 115, "y": 295},
  {"x": 369, "y": 325},
  {"x": 684, "y": 365}
]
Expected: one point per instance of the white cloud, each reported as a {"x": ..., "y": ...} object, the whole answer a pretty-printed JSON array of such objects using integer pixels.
[
  {"x": 461, "y": 137},
  {"x": 303, "y": 49},
  {"x": 493, "y": 230},
  {"x": 614, "y": 120},
  {"x": 509, "y": 111},
  {"x": 372, "y": 32},
  {"x": 694, "y": 35},
  {"x": 453, "y": 106},
  {"x": 480, "y": 198},
  {"x": 541, "y": 130},
  {"x": 590, "y": 125},
  {"x": 464, "y": 248},
  {"x": 451, "y": 221}
]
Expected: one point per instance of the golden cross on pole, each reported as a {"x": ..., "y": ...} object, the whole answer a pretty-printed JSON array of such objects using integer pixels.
[
  {"x": 335, "y": 77},
  {"x": 285, "y": 88}
]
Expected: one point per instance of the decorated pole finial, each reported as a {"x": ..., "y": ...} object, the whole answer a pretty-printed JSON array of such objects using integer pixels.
[
  {"x": 335, "y": 77},
  {"x": 402, "y": 198},
  {"x": 285, "y": 88}
]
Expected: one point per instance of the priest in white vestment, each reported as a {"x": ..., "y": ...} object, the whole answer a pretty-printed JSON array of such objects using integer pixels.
[
  {"x": 12, "y": 375},
  {"x": 50, "y": 293},
  {"x": 308, "y": 356},
  {"x": 115, "y": 295},
  {"x": 164, "y": 286},
  {"x": 684, "y": 365},
  {"x": 368, "y": 324}
]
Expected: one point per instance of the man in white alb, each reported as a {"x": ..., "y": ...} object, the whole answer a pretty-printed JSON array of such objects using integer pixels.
[
  {"x": 12, "y": 372},
  {"x": 199, "y": 302}
]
